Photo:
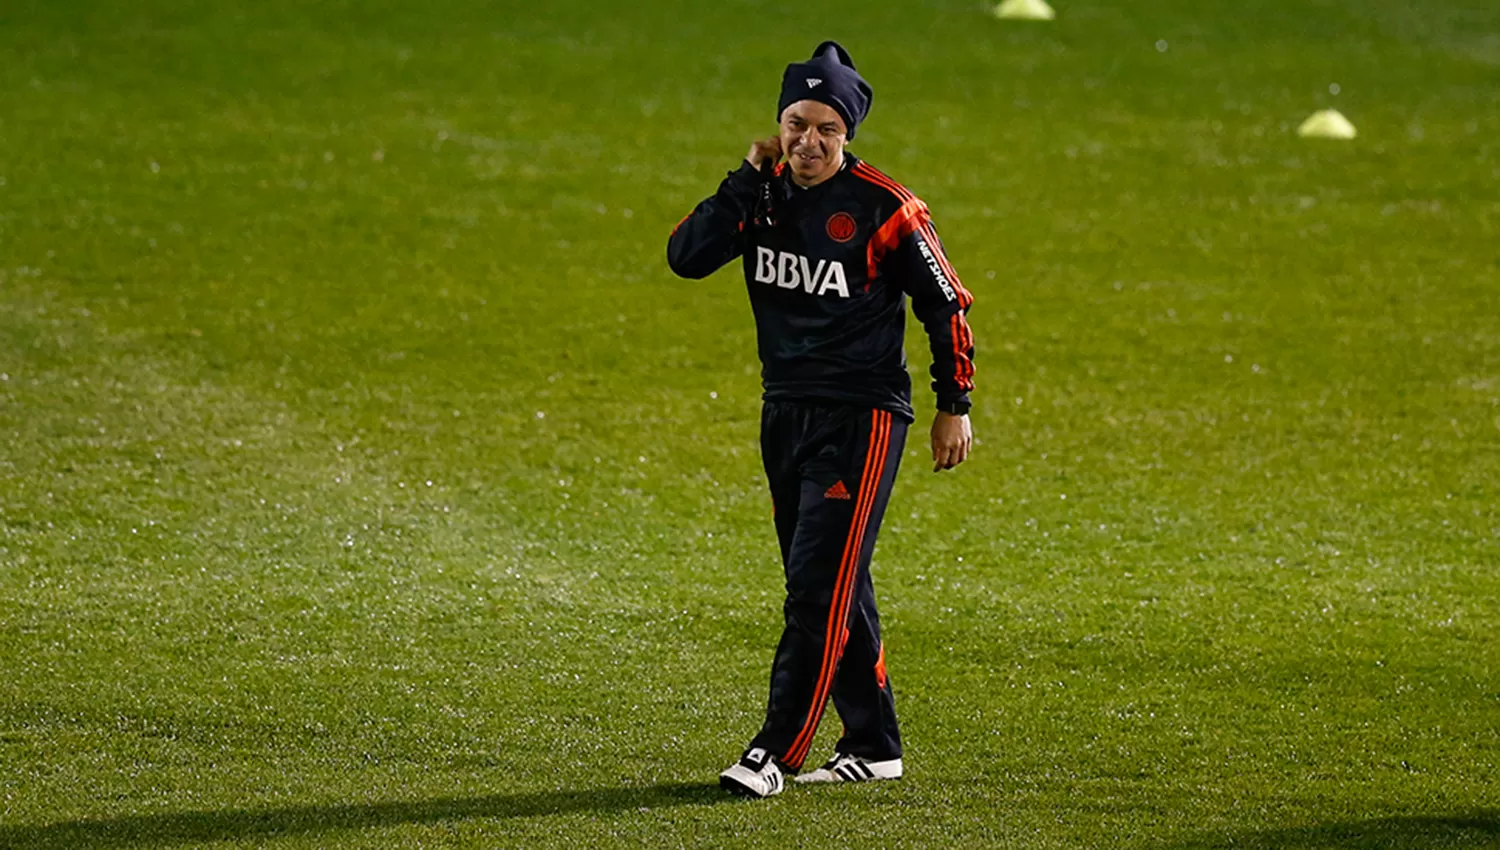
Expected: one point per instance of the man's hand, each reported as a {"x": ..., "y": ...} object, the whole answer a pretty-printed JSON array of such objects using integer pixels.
[
  {"x": 951, "y": 440},
  {"x": 762, "y": 150}
]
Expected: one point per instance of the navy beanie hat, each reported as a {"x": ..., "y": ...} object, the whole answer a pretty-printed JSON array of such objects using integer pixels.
[{"x": 828, "y": 77}]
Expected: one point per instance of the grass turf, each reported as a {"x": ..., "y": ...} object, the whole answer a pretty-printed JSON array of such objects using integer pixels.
[{"x": 369, "y": 482}]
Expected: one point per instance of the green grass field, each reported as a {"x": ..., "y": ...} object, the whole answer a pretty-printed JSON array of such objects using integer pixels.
[{"x": 368, "y": 481}]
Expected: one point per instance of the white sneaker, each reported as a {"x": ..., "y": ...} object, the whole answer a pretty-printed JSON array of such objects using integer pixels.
[
  {"x": 754, "y": 775},
  {"x": 847, "y": 768}
]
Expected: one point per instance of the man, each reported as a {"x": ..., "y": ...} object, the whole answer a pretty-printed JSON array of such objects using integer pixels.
[{"x": 832, "y": 248}]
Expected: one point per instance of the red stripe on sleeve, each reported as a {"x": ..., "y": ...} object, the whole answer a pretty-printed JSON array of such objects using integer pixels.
[
  {"x": 881, "y": 179},
  {"x": 902, "y": 223}
]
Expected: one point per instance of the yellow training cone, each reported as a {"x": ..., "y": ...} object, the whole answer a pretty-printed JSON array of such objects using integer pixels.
[
  {"x": 1327, "y": 124},
  {"x": 1025, "y": 10}
]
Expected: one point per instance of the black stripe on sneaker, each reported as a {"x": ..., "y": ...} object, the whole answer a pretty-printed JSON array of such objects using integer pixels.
[{"x": 864, "y": 769}]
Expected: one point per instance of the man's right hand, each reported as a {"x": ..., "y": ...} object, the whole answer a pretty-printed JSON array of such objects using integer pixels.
[{"x": 763, "y": 150}]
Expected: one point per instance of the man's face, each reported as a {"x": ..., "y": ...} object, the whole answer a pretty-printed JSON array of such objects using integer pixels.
[{"x": 813, "y": 138}]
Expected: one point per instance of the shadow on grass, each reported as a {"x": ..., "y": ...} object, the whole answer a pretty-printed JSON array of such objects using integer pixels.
[
  {"x": 1470, "y": 829},
  {"x": 197, "y": 827}
]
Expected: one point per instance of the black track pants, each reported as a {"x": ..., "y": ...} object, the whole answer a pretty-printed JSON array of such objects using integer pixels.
[{"x": 831, "y": 469}]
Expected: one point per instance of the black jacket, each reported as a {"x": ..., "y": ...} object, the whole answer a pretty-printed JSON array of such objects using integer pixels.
[{"x": 828, "y": 284}]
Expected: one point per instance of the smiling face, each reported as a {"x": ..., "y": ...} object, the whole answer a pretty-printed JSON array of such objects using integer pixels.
[{"x": 813, "y": 137}]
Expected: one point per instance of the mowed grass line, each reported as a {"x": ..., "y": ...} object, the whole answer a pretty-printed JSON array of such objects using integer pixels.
[{"x": 1217, "y": 576}]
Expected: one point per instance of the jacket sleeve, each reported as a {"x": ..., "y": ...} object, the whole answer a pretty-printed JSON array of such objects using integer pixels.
[
  {"x": 938, "y": 298},
  {"x": 714, "y": 232}
]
